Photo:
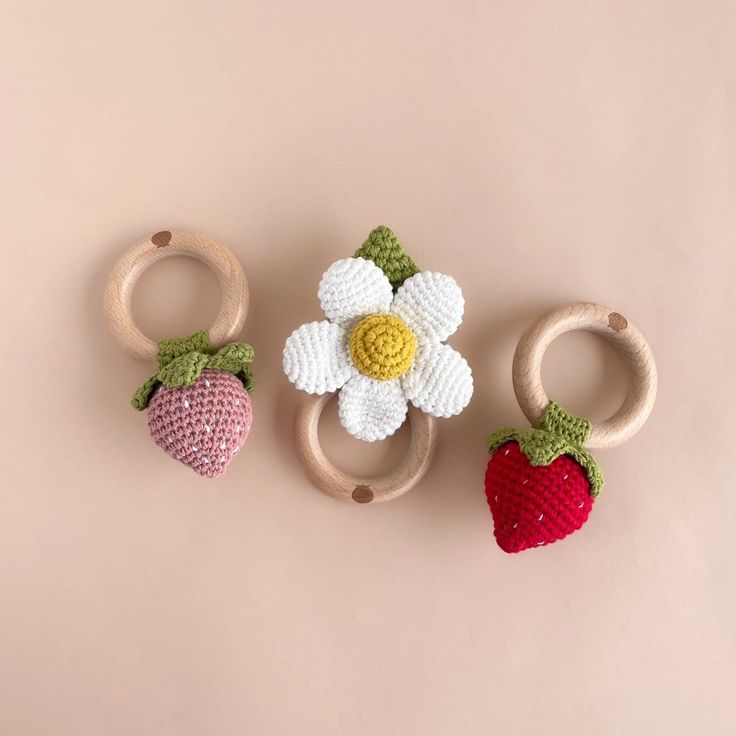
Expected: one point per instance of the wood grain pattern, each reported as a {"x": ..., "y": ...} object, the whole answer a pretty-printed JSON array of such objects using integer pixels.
[
  {"x": 622, "y": 334},
  {"x": 361, "y": 490},
  {"x": 121, "y": 282}
]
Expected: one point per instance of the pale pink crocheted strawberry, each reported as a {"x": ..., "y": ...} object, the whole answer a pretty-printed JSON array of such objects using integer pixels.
[{"x": 199, "y": 410}]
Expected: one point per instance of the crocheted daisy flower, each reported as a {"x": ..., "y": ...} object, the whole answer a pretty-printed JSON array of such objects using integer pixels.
[{"x": 380, "y": 349}]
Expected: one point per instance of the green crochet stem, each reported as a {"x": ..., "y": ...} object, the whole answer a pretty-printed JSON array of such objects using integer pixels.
[
  {"x": 557, "y": 433},
  {"x": 182, "y": 360},
  {"x": 383, "y": 248}
]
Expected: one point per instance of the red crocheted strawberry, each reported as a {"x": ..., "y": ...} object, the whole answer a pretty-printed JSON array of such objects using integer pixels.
[
  {"x": 199, "y": 410},
  {"x": 540, "y": 483}
]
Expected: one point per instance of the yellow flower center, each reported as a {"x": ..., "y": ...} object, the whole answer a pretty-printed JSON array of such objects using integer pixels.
[{"x": 382, "y": 347}]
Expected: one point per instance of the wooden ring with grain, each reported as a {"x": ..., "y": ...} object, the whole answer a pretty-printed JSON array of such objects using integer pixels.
[
  {"x": 119, "y": 290},
  {"x": 617, "y": 330},
  {"x": 339, "y": 484}
]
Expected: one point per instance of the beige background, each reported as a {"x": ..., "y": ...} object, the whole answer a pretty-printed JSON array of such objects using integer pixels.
[{"x": 539, "y": 152}]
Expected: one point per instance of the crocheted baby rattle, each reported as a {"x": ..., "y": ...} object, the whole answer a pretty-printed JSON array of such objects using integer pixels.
[
  {"x": 382, "y": 347},
  {"x": 541, "y": 482},
  {"x": 199, "y": 410}
]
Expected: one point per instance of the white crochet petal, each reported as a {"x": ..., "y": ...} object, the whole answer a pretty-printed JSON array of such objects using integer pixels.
[
  {"x": 371, "y": 410},
  {"x": 354, "y": 287},
  {"x": 316, "y": 358},
  {"x": 431, "y": 304},
  {"x": 440, "y": 381}
]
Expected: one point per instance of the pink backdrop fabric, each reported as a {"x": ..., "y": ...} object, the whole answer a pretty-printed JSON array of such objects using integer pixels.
[{"x": 541, "y": 153}]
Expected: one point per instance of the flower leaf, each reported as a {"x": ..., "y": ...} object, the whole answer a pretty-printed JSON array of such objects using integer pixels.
[{"x": 383, "y": 248}]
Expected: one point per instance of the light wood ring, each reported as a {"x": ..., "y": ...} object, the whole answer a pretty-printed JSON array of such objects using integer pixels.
[
  {"x": 622, "y": 334},
  {"x": 119, "y": 290},
  {"x": 339, "y": 484}
]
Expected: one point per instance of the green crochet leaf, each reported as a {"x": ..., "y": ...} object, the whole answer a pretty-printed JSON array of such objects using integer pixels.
[
  {"x": 235, "y": 358},
  {"x": 557, "y": 433},
  {"x": 184, "y": 370},
  {"x": 232, "y": 357},
  {"x": 142, "y": 396},
  {"x": 181, "y": 362},
  {"x": 169, "y": 350},
  {"x": 383, "y": 248}
]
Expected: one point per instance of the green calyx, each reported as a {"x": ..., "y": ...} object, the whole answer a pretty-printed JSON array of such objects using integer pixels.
[
  {"x": 557, "y": 433},
  {"x": 182, "y": 360},
  {"x": 383, "y": 248}
]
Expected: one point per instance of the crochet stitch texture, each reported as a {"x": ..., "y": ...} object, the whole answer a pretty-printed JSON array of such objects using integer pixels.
[
  {"x": 383, "y": 248},
  {"x": 540, "y": 484},
  {"x": 557, "y": 433},
  {"x": 382, "y": 347},
  {"x": 203, "y": 425},
  {"x": 381, "y": 344},
  {"x": 199, "y": 411}
]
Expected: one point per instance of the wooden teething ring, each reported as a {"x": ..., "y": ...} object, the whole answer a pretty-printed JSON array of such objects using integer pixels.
[
  {"x": 125, "y": 274},
  {"x": 339, "y": 484},
  {"x": 622, "y": 334}
]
